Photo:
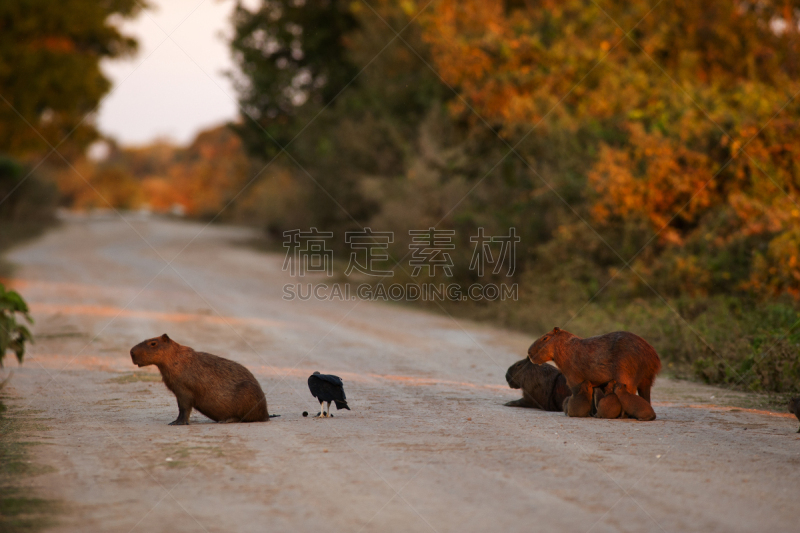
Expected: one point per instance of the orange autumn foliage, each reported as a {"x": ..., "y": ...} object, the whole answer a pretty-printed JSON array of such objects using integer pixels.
[
  {"x": 690, "y": 106},
  {"x": 198, "y": 180}
]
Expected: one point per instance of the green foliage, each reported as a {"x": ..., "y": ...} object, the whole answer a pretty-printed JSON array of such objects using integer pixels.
[
  {"x": 20, "y": 510},
  {"x": 50, "y": 55},
  {"x": 13, "y": 335},
  {"x": 355, "y": 148},
  {"x": 292, "y": 56},
  {"x": 607, "y": 151}
]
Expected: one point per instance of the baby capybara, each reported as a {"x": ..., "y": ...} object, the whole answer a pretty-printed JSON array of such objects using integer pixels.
[
  {"x": 620, "y": 356},
  {"x": 635, "y": 406},
  {"x": 794, "y": 407},
  {"x": 221, "y": 389},
  {"x": 580, "y": 403},
  {"x": 606, "y": 403},
  {"x": 543, "y": 386}
]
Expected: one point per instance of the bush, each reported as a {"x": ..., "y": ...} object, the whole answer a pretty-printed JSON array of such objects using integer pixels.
[{"x": 13, "y": 335}]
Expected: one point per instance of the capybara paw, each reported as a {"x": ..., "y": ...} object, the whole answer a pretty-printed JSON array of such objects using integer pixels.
[
  {"x": 179, "y": 423},
  {"x": 514, "y": 403}
]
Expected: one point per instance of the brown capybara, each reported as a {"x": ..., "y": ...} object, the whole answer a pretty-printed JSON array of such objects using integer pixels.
[
  {"x": 794, "y": 407},
  {"x": 543, "y": 386},
  {"x": 221, "y": 389},
  {"x": 635, "y": 406},
  {"x": 620, "y": 356},
  {"x": 606, "y": 403},
  {"x": 580, "y": 403}
]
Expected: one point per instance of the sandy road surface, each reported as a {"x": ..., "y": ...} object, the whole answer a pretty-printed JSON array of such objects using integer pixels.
[{"x": 428, "y": 445}]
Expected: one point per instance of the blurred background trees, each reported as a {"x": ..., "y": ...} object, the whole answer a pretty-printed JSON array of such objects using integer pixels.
[
  {"x": 642, "y": 151},
  {"x": 50, "y": 77},
  {"x": 50, "y": 84},
  {"x": 647, "y": 153}
]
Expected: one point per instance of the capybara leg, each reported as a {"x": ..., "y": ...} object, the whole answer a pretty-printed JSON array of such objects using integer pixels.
[
  {"x": 183, "y": 416},
  {"x": 635, "y": 406},
  {"x": 598, "y": 395},
  {"x": 565, "y": 405},
  {"x": 644, "y": 391}
]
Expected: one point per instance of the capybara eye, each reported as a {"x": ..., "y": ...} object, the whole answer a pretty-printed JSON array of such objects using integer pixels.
[{"x": 153, "y": 343}]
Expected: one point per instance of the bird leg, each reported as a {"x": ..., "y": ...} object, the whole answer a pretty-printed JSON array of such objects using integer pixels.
[
  {"x": 321, "y": 410},
  {"x": 329, "y": 410}
]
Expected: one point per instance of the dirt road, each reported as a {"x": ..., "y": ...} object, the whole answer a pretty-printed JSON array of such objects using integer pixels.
[{"x": 428, "y": 445}]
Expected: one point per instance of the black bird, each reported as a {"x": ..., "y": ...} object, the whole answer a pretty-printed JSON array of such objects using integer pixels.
[{"x": 327, "y": 388}]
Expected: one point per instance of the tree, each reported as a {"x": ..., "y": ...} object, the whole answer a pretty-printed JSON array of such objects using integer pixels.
[
  {"x": 688, "y": 106},
  {"x": 50, "y": 55},
  {"x": 292, "y": 54},
  {"x": 323, "y": 68}
]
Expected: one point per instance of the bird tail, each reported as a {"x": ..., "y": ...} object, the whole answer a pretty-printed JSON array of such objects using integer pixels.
[{"x": 341, "y": 405}]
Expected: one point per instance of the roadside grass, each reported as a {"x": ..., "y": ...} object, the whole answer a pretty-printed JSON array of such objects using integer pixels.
[
  {"x": 20, "y": 510},
  {"x": 727, "y": 341},
  {"x": 735, "y": 341}
]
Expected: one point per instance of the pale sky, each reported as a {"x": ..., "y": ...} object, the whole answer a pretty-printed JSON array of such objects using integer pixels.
[{"x": 171, "y": 89}]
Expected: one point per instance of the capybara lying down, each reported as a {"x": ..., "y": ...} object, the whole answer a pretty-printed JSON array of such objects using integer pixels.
[
  {"x": 622, "y": 357},
  {"x": 794, "y": 407},
  {"x": 543, "y": 386},
  {"x": 221, "y": 389}
]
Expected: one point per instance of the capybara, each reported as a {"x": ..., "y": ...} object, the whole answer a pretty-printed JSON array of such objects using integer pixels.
[
  {"x": 606, "y": 403},
  {"x": 620, "y": 356},
  {"x": 221, "y": 389},
  {"x": 580, "y": 403},
  {"x": 543, "y": 386},
  {"x": 794, "y": 407},
  {"x": 635, "y": 406}
]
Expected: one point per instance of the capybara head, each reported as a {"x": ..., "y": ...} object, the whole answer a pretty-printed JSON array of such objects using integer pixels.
[
  {"x": 542, "y": 350},
  {"x": 152, "y": 351},
  {"x": 514, "y": 373}
]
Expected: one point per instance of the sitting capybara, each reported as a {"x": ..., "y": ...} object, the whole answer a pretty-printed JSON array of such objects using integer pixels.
[
  {"x": 543, "y": 386},
  {"x": 580, "y": 403},
  {"x": 606, "y": 403},
  {"x": 621, "y": 356},
  {"x": 794, "y": 407},
  {"x": 221, "y": 389},
  {"x": 635, "y": 406}
]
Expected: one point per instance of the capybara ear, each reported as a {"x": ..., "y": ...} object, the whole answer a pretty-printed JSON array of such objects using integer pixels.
[
  {"x": 556, "y": 329},
  {"x": 165, "y": 337}
]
